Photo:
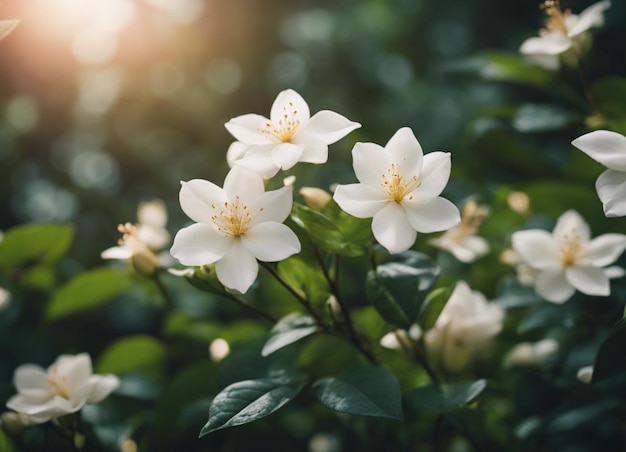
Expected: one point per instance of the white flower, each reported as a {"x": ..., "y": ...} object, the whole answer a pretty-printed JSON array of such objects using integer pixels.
[
  {"x": 466, "y": 325},
  {"x": 5, "y": 298},
  {"x": 533, "y": 354},
  {"x": 234, "y": 227},
  {"x": 567, "y": 259},
  {"x": 398, "y": 339},
  {"x": 289, "y": 136},
  {"x": 585, "y": 374},
  {"x": 564, "y": 33},
  {"x": 609, "y": 149},
  {"x": 461, "y": 241},
  {"x": 399, "y": 187},
  {"x": 64, "y": 388},
  {"x": 151, "y": 230}
]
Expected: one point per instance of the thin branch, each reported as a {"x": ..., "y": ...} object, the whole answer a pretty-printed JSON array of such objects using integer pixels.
[{"x": 244, "y": 303}]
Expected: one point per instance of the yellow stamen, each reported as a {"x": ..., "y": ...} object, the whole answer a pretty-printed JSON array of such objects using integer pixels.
[
  {"x": 471, "y": 219},
  {"x": 283, "y": 130},
  {"x": 570, "y": 249},
  {"x": 58, "y": 383},
  {"x": 397, "y": 186},
  {"x": 557, "y": 16},
  {"x": 235, "y": 219}
]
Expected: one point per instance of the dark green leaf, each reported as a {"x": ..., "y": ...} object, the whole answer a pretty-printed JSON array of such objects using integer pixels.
[
  {"x": 247, "y": 401},
  {"x": 288, "y": 330},
  {"x": 610, "y": 95},
  {"x": 542, "y": 118},
  {"x": 398, "y": 289},
  {"x": 34, "y": 243},
  {"x": 306, "y": 277},
  {"x": 370, "y": 391},
  {"x": 131, "y": 354},
  {"x": 448, "y": 397},
  {"x": 610, "y": 360},
  {"x": 87, "y": 291},
  {"x": 432, "y": 307}
]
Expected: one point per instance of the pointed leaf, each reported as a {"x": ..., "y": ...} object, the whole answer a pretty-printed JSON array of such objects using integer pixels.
[
  {"x": 448, "y": 397},
  {"x": 87, "y": 291},
  {"x": 542, "y": 118},
  {"x": 131, "y": 354},
  {"x": 288, "y": 330},
  {"x": 371, "y": 391},
  {"x": 247, "y": 401},
  {"x": 610, "y": 360},
  {"x": 34, "y": 243}
]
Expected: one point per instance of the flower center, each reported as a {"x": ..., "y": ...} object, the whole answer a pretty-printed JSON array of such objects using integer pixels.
[
  {"x": 557, "y": 16},
  {"x": 234, "y": 219},
  {"x": 396, "y": 186},
  {"x": 58, "y": 383},
  {"x": 285, "y": 128},
  {"x": 471, "y": 218},
  {"x": 130, "y": 238},
  {"x": 570, "y": 249}
]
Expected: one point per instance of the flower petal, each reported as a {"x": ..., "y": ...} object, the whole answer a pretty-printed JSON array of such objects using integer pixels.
[
  {"x": 236, "y": 151},
  {"x": 271, "y": 242},
  {"x": 102, "y": 386},
  {"x": 589, "y": 280},
  {"x": 286, "y": 155},
  {"x": 605, "y": 147},
  {"x": 370, "y": 162},
  {"x": 117, "y": 252},
  {"x": 611, "y": 188},
  {"x": 199, "y": 244},
  {"x": 314, "y": 151},
  {"x": 537, "y": 248},
  {"x": 592, "y": 16},
  {"x": 76, "y": 368},
  {"x": 238, "y": 269},
  {"x": 290, "y": 103},
  {"x": 326, "y": 126},
  {"x": 571, "y": 224},
  {"x": 196, "y": 198},
  {"x": 433, "y": 177},
  {"x": 552, "y": 285},
  {"x": 552, "y": 43},
  {"x": 434, "y": 216},
  {"x": 360, "y": 200},
  {"x": 605, "y": 249},
  {"x": 259, "y": 160},
  {"x": 30, "y": 376},
  {"x": 405, "y": 151},
  {"x": 470, "y": 249},
  {"x": 243, "y": 183},
  {"x": 392, "y": 230},
  {"x": 274, "y": 205},
  {"x": 247, "y": 129}
]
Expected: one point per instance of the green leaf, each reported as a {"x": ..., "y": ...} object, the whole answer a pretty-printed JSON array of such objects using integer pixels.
[
  {"x": 288, "y": 330},
  {"x": 432, "y": 307},
  {"x": 327, "y": 233},
  {"x": 543, "y": 118},
  {"x": 369, "y": 391},
  {"x": 34, "y": 243},
  {"x": 398, "y": 289},
  {"x": 610, "y": 96},
  {"x": 131, "y": 354},
  {"x": 247, "y": 401},
  {"x": 610, "y": 360},
  {"x": 445, "y": 398},
  {"x": 305, "y": 277},
  {"x": 87, "y": 291}
]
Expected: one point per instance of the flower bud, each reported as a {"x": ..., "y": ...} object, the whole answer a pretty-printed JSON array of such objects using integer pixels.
[
  {"x": 13, "y": 423},
  {"x": 314, "y": 197}
]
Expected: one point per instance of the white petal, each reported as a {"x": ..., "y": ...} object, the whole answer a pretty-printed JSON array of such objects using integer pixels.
[
  {"x": 611, "y": 188},
  {"x": 614, "y": 272},
  {"x": 238, "y": 269},
  {"x": 243, "y": 183},
  {"x": 434, "y": 177},
  {"x": 117, "y": 252},
  {"x": 571, "y": 224},
  {"x": 199, "y": 244},
  {"x": 7, "y": 26},
  {"x": 271, "y": 242},
  {"x": 247, "y": 129},
  {"x": 327, "y": 126},
  {"x": 592, "y": 16},
  {"x": 290, "y": 103},
  {"x": 552, "y": 285},
  {"x": 605, "y": 249},
  {"x": 392, "y": 230},
  {"x": 30, "y": 376},
  {"x": 236, "y": 151},
  {"x": 405, "y": 151},
  {"x": 552, "y": 43},
  {"x": 470, "y": 249},
  {"x": 360, "y": 200},
  {"x": 314, "y": 151},
  {"x": 155, "y": 237},
  {"x": 370, "y": 162},
  {"x": 605, "y": 147},
  {"x": 102, "y": 386},
  {"x": 589, "y": 280},
  {"x": 537, "y": 248},
  {"x": 286, "y": 155},
  {"x": 434, "y": 216},
  {"x": 276, "y": 205},
  {"x": 152, "y": 213},
  {"x": 76, "y": 368},
  {"x": 259, "y": 160},
  {"x": 196, "y": 198}
]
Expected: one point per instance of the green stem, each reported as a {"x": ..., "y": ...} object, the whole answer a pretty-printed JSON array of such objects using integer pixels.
[
  {"x": 244, "y": 303},
  {"x": 587, "y": 86},
  {"x": 303, "y": 301},
  {"x": 418, "y": 354},
  {"x": 167, "y": 298}
]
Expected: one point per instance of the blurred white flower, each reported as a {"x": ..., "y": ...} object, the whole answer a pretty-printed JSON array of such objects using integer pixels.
[
  {"x": 289, "y": 136},
  {"x": 461, "y": 241},
  {"x": 567, "y": 259},
  {"x": 585, "y": 374},
  {"x": 609, "y": 149},
  {"x": 565, "y": 34},
  {"x": 315, "y": 198},
  {"x": 532, "y": 354},
  {"x": 7, "y": 26},
  {"x": 465, "y": 326},
  {"x": 5, "y": 298},
  {"x": 64, "y": 388},
  {"x": 399, "y": 187},
  {"x": 140, "y": 241},
  {"x": 399, "y": 339},
  {"x": 234, "y": 227}
]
